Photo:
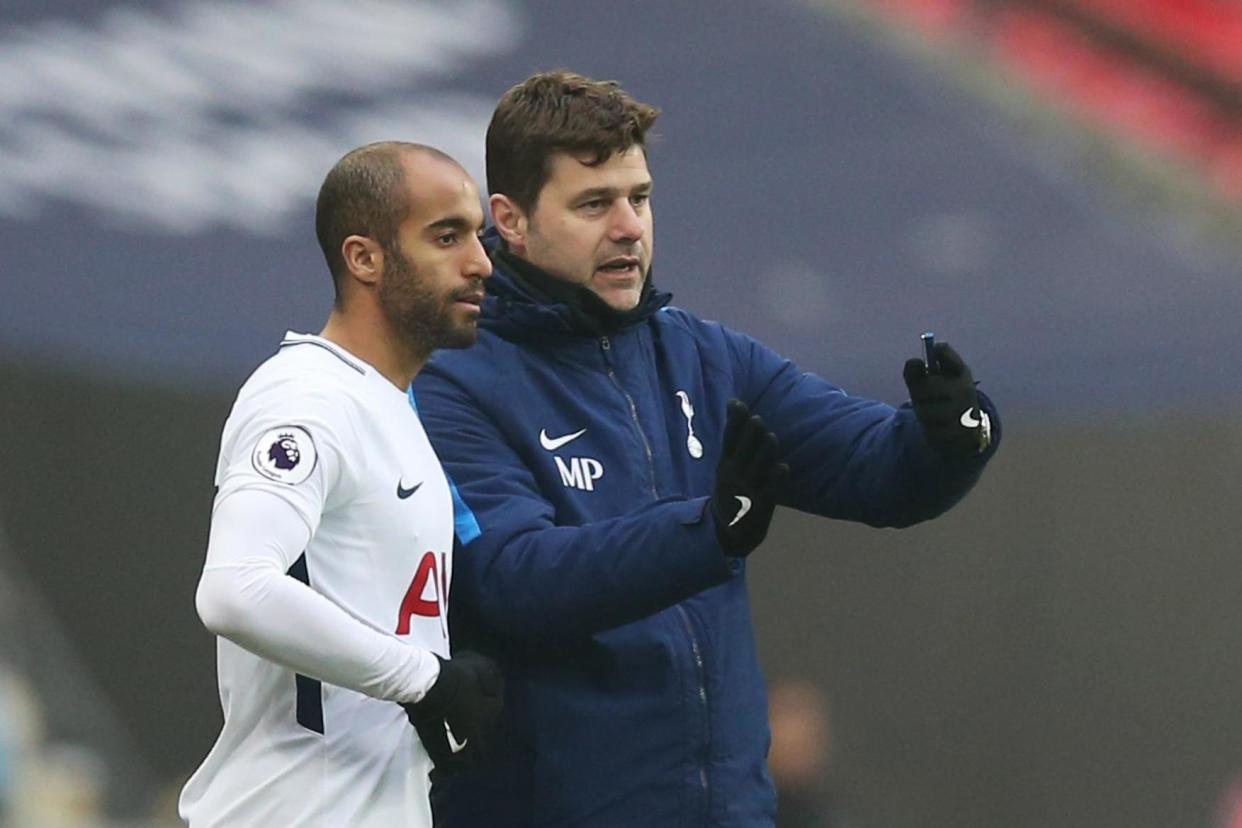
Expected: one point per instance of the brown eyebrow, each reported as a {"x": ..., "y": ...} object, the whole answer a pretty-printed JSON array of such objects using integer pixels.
[
  {"x": 613, "y": 192},
  {"x": 597, "y": 192},
  {"x": 453, "y": 223}
]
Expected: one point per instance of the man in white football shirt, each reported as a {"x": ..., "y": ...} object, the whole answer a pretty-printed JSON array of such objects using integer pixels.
[{"x": 329, "y": 559}]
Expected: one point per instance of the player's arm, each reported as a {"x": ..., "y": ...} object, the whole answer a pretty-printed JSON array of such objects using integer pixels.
[
  {"x": 532, "y": 579},
  {"x": 246, "y": 596},
  {"x": 852, "y": 458}
]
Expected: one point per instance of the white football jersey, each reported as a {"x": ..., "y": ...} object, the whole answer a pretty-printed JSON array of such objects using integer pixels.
[{"x": 342, "y": 445}]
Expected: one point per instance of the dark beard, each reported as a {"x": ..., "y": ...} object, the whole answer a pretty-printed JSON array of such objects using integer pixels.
[{"x": 422, "y": 318}]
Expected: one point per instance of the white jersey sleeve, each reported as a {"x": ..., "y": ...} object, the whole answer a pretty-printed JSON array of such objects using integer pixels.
[
  {"x": 244, "y": 595},
  {"x": 289, "y": 462}
]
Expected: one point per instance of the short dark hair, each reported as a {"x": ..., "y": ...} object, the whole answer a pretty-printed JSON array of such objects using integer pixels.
[
  {"x": 364, "y": 195},
  {"x": 555, "y": 112}
]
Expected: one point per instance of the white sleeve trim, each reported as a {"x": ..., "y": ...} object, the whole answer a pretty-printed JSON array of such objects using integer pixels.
[{"x": 244, "y": 595}]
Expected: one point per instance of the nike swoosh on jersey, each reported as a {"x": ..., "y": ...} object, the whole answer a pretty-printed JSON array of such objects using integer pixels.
[
  {"x": 553, "y": 443},
  {"x": 741, "y": 513},
  {"x": 403, "y": 492},
  {"x": 968, "y": 420}
]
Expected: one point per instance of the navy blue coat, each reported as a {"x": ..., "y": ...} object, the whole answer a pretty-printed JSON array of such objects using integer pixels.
[{"x": 588, "y": 561}]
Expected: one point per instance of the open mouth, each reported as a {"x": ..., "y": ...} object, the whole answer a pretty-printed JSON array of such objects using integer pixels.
[{"x": 620, "y": 266}]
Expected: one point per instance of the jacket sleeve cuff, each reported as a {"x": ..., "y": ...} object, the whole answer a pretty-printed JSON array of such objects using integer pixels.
[{"x": 706, "y": 547}]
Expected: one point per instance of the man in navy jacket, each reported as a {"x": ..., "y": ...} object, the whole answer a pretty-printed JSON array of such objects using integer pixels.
[{"x": 617, "y": 461}]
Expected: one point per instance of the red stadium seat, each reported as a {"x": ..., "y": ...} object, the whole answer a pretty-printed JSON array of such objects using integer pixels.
[{"x": 1164, "y": 73}]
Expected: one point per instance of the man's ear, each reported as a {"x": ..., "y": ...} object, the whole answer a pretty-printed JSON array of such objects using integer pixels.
[
  {"x": 364, "y": 260},
  {"x": 510, "y": 221}
]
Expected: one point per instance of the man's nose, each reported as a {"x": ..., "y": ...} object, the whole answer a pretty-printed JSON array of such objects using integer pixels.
[
  {"x": 478, "y": 265},
  {"x": 627, "y": 225}
]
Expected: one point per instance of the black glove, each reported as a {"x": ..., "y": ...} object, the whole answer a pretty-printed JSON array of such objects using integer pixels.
[
  {"x": 747, "y": 478},
  {"x": 467, "y": 697},
  {"x": 946, "y": 403}
]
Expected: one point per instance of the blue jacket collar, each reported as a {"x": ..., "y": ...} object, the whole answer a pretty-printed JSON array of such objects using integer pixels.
[{"x": 515, "y": 307}]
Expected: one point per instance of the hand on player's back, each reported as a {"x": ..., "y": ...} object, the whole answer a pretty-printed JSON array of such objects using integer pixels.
[{"x": 464, "y": 702}]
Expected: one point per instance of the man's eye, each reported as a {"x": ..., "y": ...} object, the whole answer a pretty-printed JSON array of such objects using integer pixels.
[
  {"x": 640, "y": 200},
  {"x": 447, "y": 239},
  {"x": 595, "y": 204}
]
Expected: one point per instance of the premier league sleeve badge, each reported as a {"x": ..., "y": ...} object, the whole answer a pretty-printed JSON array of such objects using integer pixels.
[{"x": 285, "y": 454}]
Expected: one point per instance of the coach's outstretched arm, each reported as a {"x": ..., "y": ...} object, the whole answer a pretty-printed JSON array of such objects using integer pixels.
[
  {"x": 848, "y": 458},
  {"x": 863, "y": 460}
]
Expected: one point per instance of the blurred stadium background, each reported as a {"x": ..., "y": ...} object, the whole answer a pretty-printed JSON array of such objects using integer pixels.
[{"x": 1055, "y": 186}]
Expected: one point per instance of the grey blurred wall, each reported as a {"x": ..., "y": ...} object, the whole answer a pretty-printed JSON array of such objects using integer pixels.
[
  {"x": 1062, "y": 649},
  {"x": 106, "y": 492}
]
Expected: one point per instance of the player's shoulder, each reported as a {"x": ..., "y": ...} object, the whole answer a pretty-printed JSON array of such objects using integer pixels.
[
  {"x": 314, "y": 359},
  {"x": 312, "y": 362},
  {"x": 307, "y": 375}
]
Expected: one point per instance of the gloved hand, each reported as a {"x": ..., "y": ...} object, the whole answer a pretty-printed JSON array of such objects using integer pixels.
[
  {"x": 467, "y": 697},
  {"x": 747, "y": 478},
  {"x": 946, "y": 403}
]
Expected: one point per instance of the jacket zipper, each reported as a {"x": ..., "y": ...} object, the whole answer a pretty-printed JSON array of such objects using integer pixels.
[
  {"x": 707, "y": 726},
  {"x": 700, "y": 670},
  {"x": 606, "y": 344}
]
